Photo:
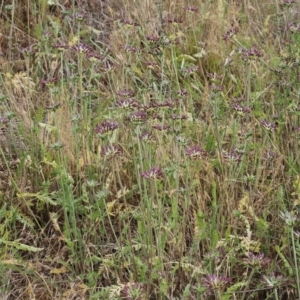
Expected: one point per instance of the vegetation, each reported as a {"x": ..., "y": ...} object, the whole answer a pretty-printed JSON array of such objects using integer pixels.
[{"x": 150, "y": 150}]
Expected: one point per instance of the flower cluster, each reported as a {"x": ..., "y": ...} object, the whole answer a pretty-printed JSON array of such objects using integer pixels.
[
  {"x": 268, "y": 125},
  {"x": 106, "y": 126},
  {"x": 251, "y": 53},
  {"x": 256, "y": 260},
  {"x": 110, "y": 151},
  {"x": 139, "y": 117},
  {"x": 232, "y": 156},
  {"x": 215, "y": 282},
  {"x": 240, "y": 109},
  {"x": 126, "y": 103},
  {"x": 230, "y": 33},
  {"x": 195, "y": 152},
  {"x": 153, "y": 173}
]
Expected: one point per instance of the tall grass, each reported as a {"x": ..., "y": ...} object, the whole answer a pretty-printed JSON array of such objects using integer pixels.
[{"x": 149, "y": 150}]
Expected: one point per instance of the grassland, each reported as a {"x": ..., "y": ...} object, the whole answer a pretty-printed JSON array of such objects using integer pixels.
[{"x": 149, "y": 150}]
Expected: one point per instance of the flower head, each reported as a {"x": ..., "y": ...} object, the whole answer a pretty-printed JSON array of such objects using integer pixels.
[
  {"x": 256, "y": 260},
  {"x": 153, "y": 173},
  {"x": 139, "y": 116},
  {"x": 268, "y": 125},
  {"x": 232, "y": 156},
  {"x": 251, "y": 53},
  {"x": 82, "y": 48},
  {"x": 215, "y": 282},
  {"x": 230, "y": 33},
  {"x": 110, "y": 151},
  {"x": 106, "y": 127},
  {"x": 146, "y": 136},
  {"x": 195, "y": 152},
  {"x": 126, "y": 103}
]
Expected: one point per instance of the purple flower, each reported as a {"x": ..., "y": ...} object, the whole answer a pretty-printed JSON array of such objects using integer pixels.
[
  {"x": 129, "y": 22},
  {"x": 106, "y": 127},
  {"x": 161, "y": 127},
  {"x": 152, "y": 38},
  {"x": 153, "y": 173},
  {"x": 178, "y": 117},
  {"x": 240, "y": 109},
  {"x": 195, "y": 152},
  {"x": 268, "y": 125},
  {"x": 126, "y": 103},
  {"x": 191, "y": 70},
  {"x": 230, "y": 33},
  {"x": 94, "y": 57},
  {"x": 251, "y": 53},
  {"x": 256, "y": 260},
  {"x": 82, "y": 48},
  {"x": 139, "y": 116},
  {"x": 215, "y": 282},
  {"x": 214, "y": 76},
  {"x": 146, "y": 136},
  {"x": 110, "y": 151},
  {"x": 232, "y": 156}
]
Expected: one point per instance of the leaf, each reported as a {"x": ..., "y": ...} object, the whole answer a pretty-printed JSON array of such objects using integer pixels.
[
  {"x": 41, "y": 197},
  {"x": 21, "y": 246}
]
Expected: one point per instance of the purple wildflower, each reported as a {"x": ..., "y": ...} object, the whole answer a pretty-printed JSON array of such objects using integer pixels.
[
  {"x": 268, "y": 125},
  {"x": 106, "y": 127},
  {"x": 94, "y": 57},
  {"x": 195, "y": 152},
  {"x": 129, "y": 22},
  {"x": 146, "y": 136},
  {"x": 256, "y": 260},
  {"x": 251, "y": 53},
  {"x": 110, "y": 151},
  {"x": 82, "y": 48},
  {"x": 126, "y": 103},
  {"x": 232, "y": 156},
  {"x": 139, "y": 116},
  {"x": 178, "y": 117},
  {"x": 152, "y": 38},
  {"x": 240, "y": 109},
  {"x": 230, "y": 33},
  {"x": 191, "y": 70},
  {"x": 161, "y": 127},
  {"x": 153, "y": 173},
  {"x": 215, "y": 282}
]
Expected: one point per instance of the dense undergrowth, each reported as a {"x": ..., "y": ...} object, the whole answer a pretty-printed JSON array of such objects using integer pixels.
[{"x": 149, "y": 150}]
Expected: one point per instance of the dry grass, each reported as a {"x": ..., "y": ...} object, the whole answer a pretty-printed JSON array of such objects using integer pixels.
[{"x": 206, "y": 207}]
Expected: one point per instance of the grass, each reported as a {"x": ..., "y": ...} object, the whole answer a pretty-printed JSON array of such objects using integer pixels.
[{"x": 149, "y": 151}]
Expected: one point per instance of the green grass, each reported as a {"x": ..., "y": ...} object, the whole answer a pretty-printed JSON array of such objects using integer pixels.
[{"x": 152, "y": 153}]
